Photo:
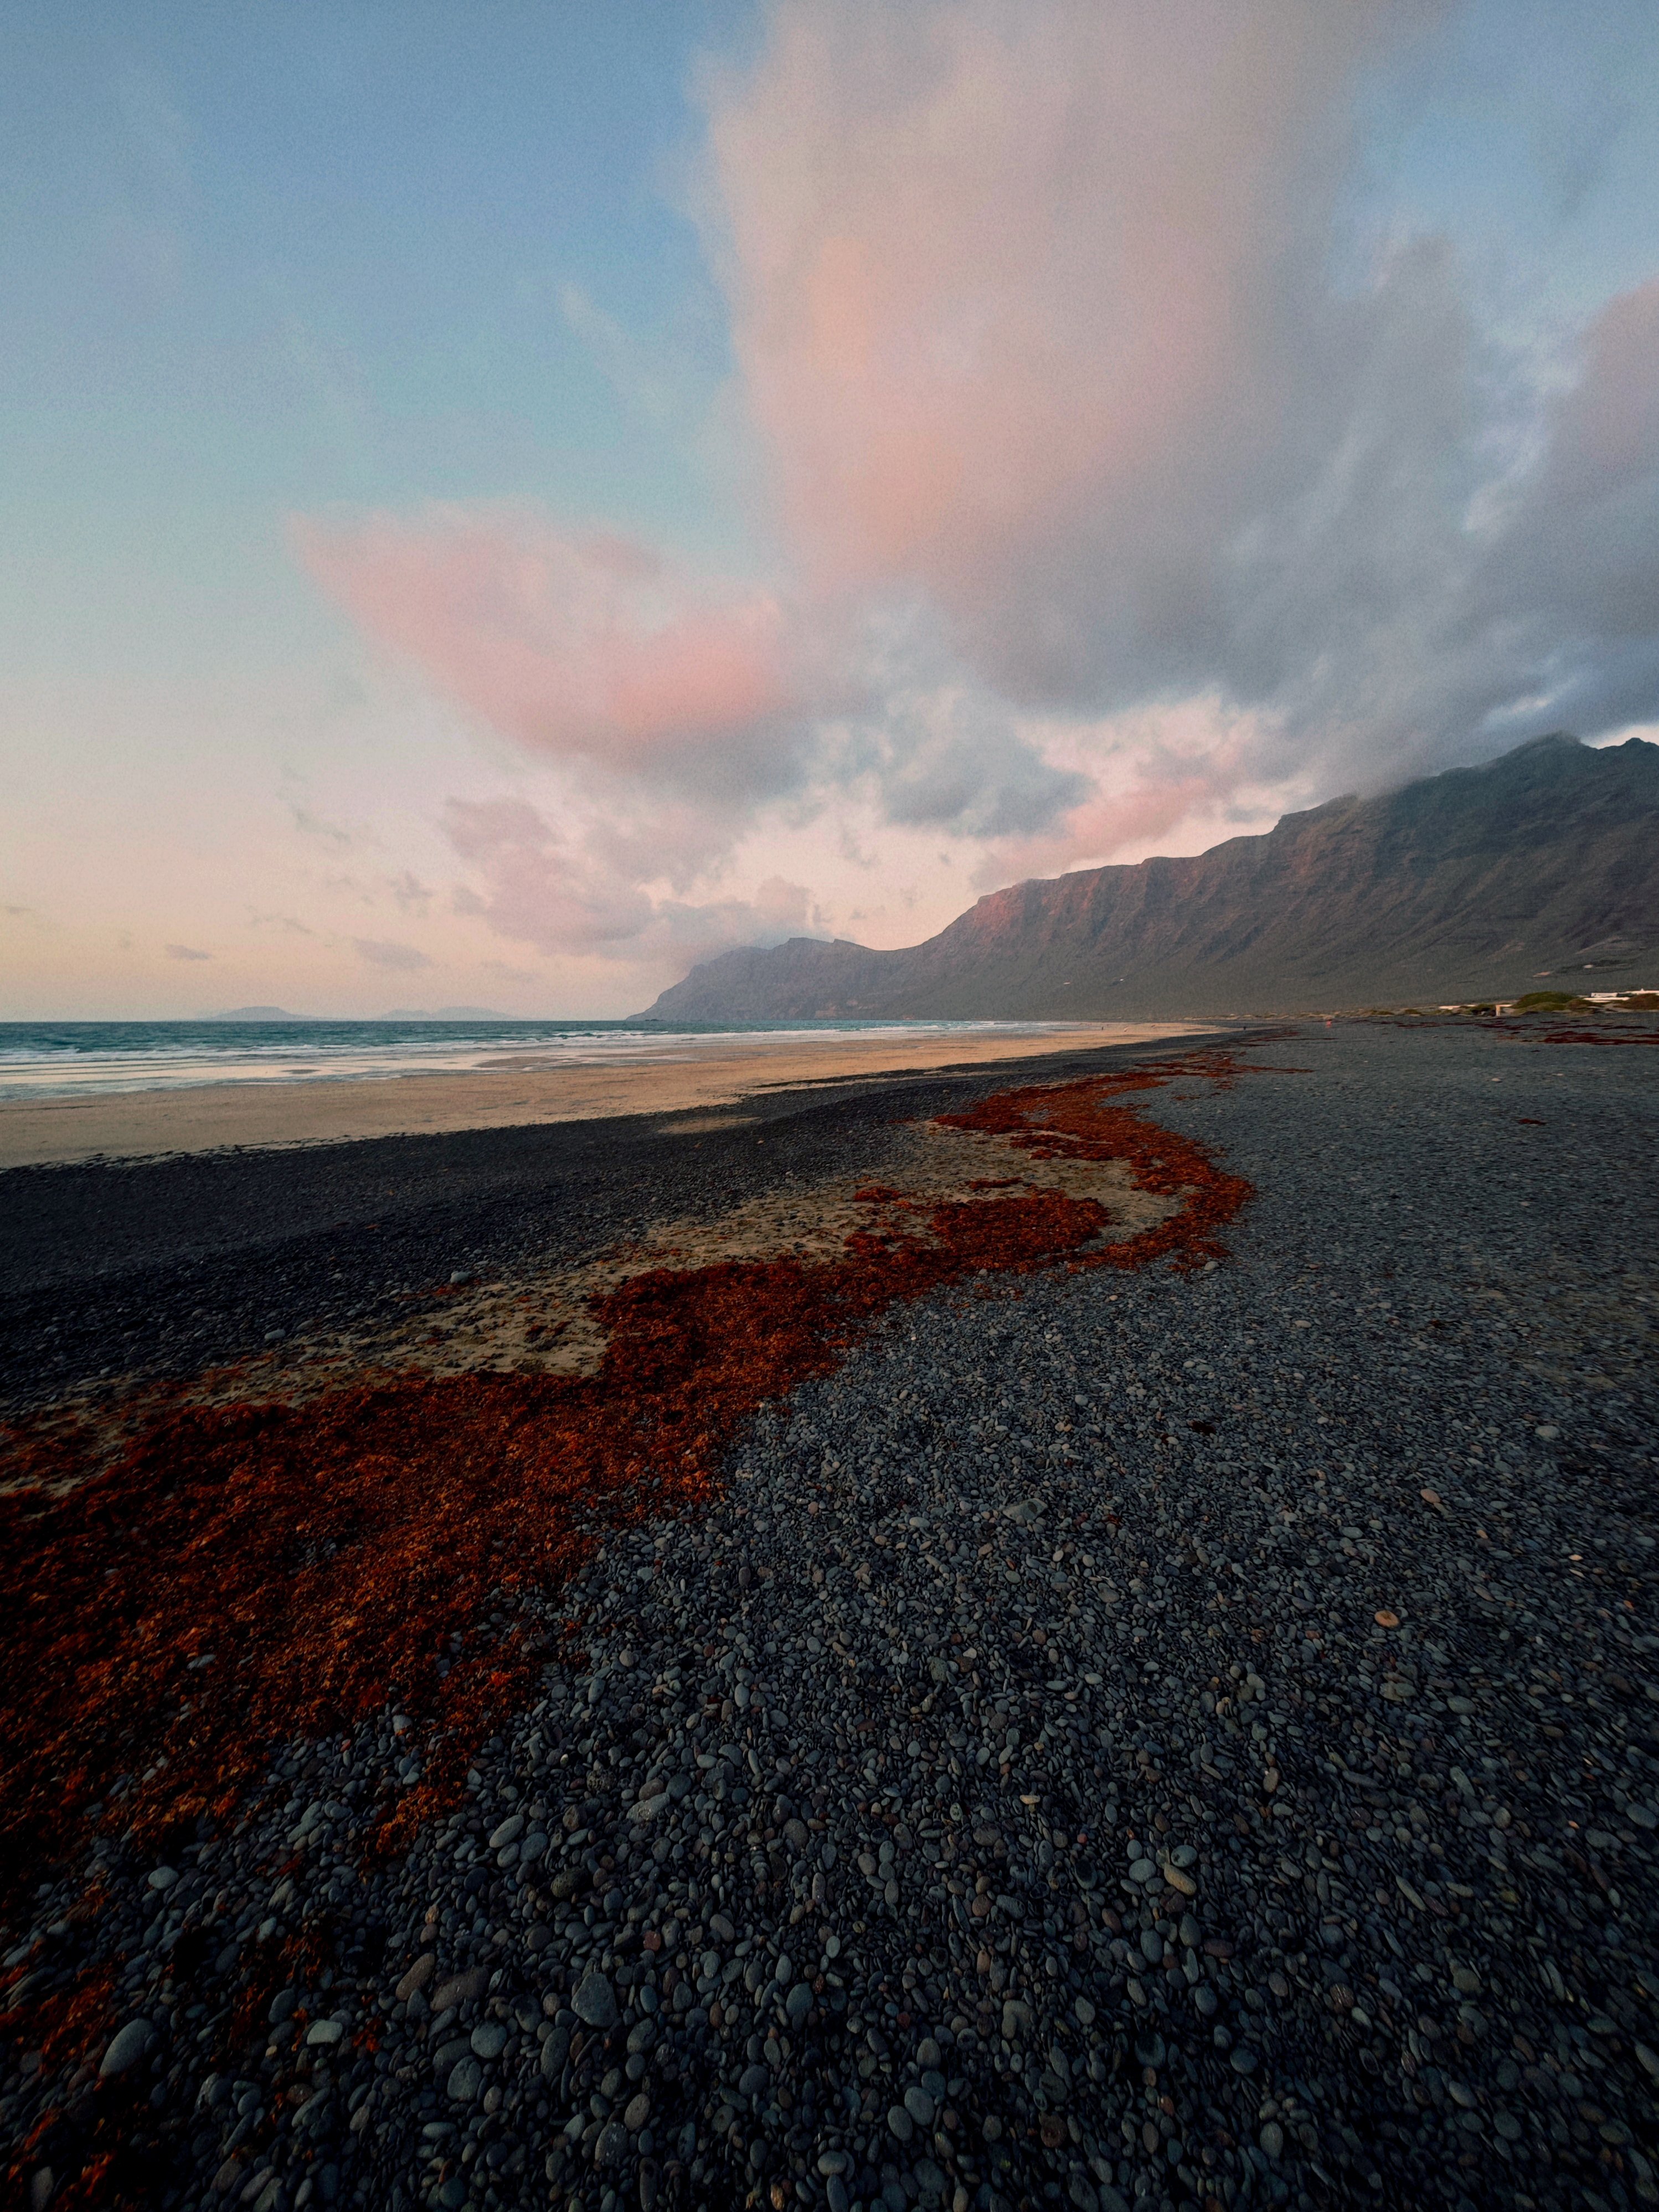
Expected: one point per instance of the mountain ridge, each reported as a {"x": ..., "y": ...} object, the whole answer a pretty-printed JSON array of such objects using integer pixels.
[{"x": 1468, "y": 883}]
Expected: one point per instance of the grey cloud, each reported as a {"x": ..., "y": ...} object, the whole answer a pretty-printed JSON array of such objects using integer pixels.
[
  {"x": 312, "y": 825},
  {"x": 410, "y": 892},
  {"x": 1116, "y": 422},
  {"x": 1391, "y": 596},
  {"x": 954, "y": 763},
  {"x": 380, "y": 954},
  {"x": 186, "y": 952}
]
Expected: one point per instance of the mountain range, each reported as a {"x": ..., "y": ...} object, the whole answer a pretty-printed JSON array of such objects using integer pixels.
[{"x": 1472, "y": 883}]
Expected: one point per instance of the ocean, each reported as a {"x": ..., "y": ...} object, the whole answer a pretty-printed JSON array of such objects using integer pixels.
[{"x": 68, "y": 1059}]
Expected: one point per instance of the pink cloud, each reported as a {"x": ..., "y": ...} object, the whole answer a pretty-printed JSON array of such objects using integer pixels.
[
  {"x": 539, "y": 892},
  {"x": 1006, "y": 289},
  {"x": 543, "y": 890},
  {"x": 591, "y": 647},
  {"x": 1137, "y": 816},
  {"x": 1168, "y": 772},
  {"x": 1032, "y": 308},
  {"x": 1054, "y": 403},
  {"x": 1606, "y": 429},
  {"x": 1007, "y": 285}
]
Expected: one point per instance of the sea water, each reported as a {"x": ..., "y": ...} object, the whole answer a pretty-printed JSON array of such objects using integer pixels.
[{"x": 66, "y": 1060}]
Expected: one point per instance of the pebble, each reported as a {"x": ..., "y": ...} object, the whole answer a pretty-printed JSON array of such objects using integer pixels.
[
  {"x": 595, "y": 2000},
  {"x": 612, "y": 2146},
  {"x": 417, "y": 1977},
  {"x": 126, "y": 2047},
  {"x": 460, "y": 1989}
]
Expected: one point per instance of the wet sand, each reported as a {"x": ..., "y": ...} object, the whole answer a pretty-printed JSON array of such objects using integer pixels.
[{"x": 527, "y": 1091}]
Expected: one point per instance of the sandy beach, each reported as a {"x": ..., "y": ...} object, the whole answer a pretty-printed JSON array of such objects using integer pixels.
[{"x": 520, "y": 1092}]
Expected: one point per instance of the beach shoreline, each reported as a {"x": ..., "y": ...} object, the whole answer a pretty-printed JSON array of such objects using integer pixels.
[
  {"x": 121, "y": 1267},
  {"x": 214, "y": 1117}
]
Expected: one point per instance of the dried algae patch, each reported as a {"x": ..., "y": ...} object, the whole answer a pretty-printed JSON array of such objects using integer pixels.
[{"x": 556, "y": 1323}]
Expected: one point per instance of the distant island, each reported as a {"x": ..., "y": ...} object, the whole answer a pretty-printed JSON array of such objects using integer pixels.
[
  {"x": 1474, "y": 884},
  {"x": 396, "y": 1014}
]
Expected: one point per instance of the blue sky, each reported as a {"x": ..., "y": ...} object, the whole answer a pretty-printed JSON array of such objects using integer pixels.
[
  {"x": 535, "y": 271},
  {"x": 287, "y": 257}
]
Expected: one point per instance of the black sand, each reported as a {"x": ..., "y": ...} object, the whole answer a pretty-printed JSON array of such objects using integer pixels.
[{"x": 1197, "y": 1750}]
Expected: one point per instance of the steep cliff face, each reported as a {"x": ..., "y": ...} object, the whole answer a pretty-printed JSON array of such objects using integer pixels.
[{"x": 1462, "y": 885}]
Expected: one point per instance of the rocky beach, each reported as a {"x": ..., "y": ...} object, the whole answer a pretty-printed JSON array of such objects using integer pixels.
[{"x": 1082, "y": 1635}]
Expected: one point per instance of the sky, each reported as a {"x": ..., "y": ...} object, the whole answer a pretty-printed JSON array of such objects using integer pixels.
[{"x": 499, "y": 504}]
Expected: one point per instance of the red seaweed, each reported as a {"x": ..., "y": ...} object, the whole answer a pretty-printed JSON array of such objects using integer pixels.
[{"x": 243, "y": 1575}]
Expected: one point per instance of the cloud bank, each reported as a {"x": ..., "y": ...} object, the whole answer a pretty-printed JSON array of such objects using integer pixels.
[
  {"x": 1098, "y": 500},
  {"x": 1033, "y": 307}
]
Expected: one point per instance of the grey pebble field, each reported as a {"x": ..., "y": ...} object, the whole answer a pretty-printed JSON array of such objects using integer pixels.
[{"x": 1121, "y": 1740}]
